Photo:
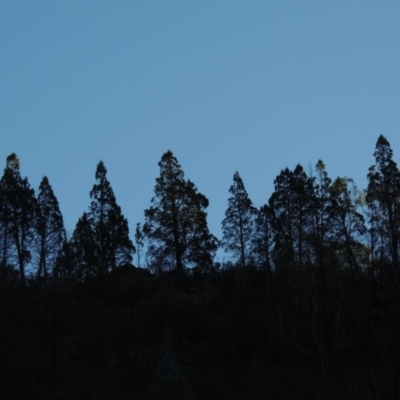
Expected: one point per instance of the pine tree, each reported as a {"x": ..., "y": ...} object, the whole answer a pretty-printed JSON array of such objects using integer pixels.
[
  {"x": 291, "y": 203},
  {"x": 321, "y": 219},
  {"x": 176, "y": 224},
  {"x": 113, "y": 247},
  {"x": 348, "y": 224},
  {"x": 17, "y": 216},
  {"x": 100, "y": 242},
  {"x": 50, "y": 232},
  {"x": 238, "y": 225},
  {"x": 383, "y": 200}
]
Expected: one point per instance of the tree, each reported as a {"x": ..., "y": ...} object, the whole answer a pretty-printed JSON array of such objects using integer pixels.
[
  {"x": 100, "y": 242},
  {"x": 110, "y": 232},
  {"x": 383, "y": 199},
  {"x": 18, "y": 207},
  {"x": 348, "y": 225},
  {"x": 321, "y": 218},
  {"x": 238, "y": 225},
  {"x": 291, "y": 203},
  {"x": 50, "y": 232},
  {"x": 176, "y": 223}
]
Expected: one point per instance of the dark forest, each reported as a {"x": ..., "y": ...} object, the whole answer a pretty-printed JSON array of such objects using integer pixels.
[{"x": 307, "y": 307}]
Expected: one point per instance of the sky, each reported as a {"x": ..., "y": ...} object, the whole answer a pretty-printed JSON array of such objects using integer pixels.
[{"x": 251, "y": 86}]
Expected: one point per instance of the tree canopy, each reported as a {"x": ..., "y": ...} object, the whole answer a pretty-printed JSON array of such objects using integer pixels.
[
  {"x": 101, "y": 237},
  {"x": 314, "y": 282},
  {"x": 238, "y": 225},
  {"x": 176, "y": 222}
]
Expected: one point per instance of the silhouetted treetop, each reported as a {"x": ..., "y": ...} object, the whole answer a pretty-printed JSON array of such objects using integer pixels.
[
  {"x": 50, "y": 232},
  {"x": 18, "y": 209},
  {"x": 239, "y": 223},
  {"x": 176, "y": 223}
]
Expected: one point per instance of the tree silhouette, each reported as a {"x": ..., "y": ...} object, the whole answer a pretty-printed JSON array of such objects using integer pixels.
[
  {"x": 50, "y": 232},
  {"x": 383, "y": 199},
  {"x": 238, "y": 225},
  {"x": 321, "y": 220},
  {"x": 291, "y": 203},
  {"x": 348, "y": 224},
  {"x": 176, "y": 224},
  {"x": 17, "y": 215},
  {"x": 209, "y": 334},
  {"x": 109, "y": 227}
]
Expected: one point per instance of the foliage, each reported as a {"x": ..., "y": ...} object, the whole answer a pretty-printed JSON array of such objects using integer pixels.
[
  {"x": 291, "y": 203},
  {"x": 319, "y": 317},
  {"x": 238, "y": 225},
  {"x": 176, "y": 223},
  {"x": 18, "y": 208},
  {"x": 50, "y": 232},
  {"x": 101, "y": 240},
  {"x": 112, "y": 245}
]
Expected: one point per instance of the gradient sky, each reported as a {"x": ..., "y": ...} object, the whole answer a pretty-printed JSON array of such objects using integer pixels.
[{"x": 251, "y": 86}]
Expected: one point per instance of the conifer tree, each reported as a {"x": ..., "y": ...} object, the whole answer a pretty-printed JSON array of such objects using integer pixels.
[
  {"x": 112, "y": 245},
  {"x": 176, "y": 225},
  {"x": 291, "y": 203},
  {"x": 348, "y": 224},
  {"x": 238, "y": 225},
  {"x": 383, "y": 201},
  {"x": 50, "y": 232},
  {"x": 321, "y": 220},
  {"x": 383, "y": 198},
  {"x": 100, "y": 242},
  {"x": 18, "y": 207}
]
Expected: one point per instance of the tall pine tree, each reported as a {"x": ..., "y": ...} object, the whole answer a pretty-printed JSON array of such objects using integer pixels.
[
  {"x": 291, "y": 203},
  {"x": 383, "y": 200},
  {"x": 112, "y": 245},
  {"x": 176, "y": 223},
  {"x": 50, "y": 232},
  {"x": 348, "y": 224},
  {"x": 100, "y": 242},
  {"x": 17, "y": 216},
  {"x": 238, "y": 225},
  {"x": 321, "y": 221}
]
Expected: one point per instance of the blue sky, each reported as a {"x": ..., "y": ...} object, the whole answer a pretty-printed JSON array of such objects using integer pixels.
[{"x": 250, "y": 86}]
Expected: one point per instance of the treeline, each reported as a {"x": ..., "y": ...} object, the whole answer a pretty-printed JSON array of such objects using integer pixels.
[
  {"x": 309, "y": 220},
  {"x": 310, "y": 296}
]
